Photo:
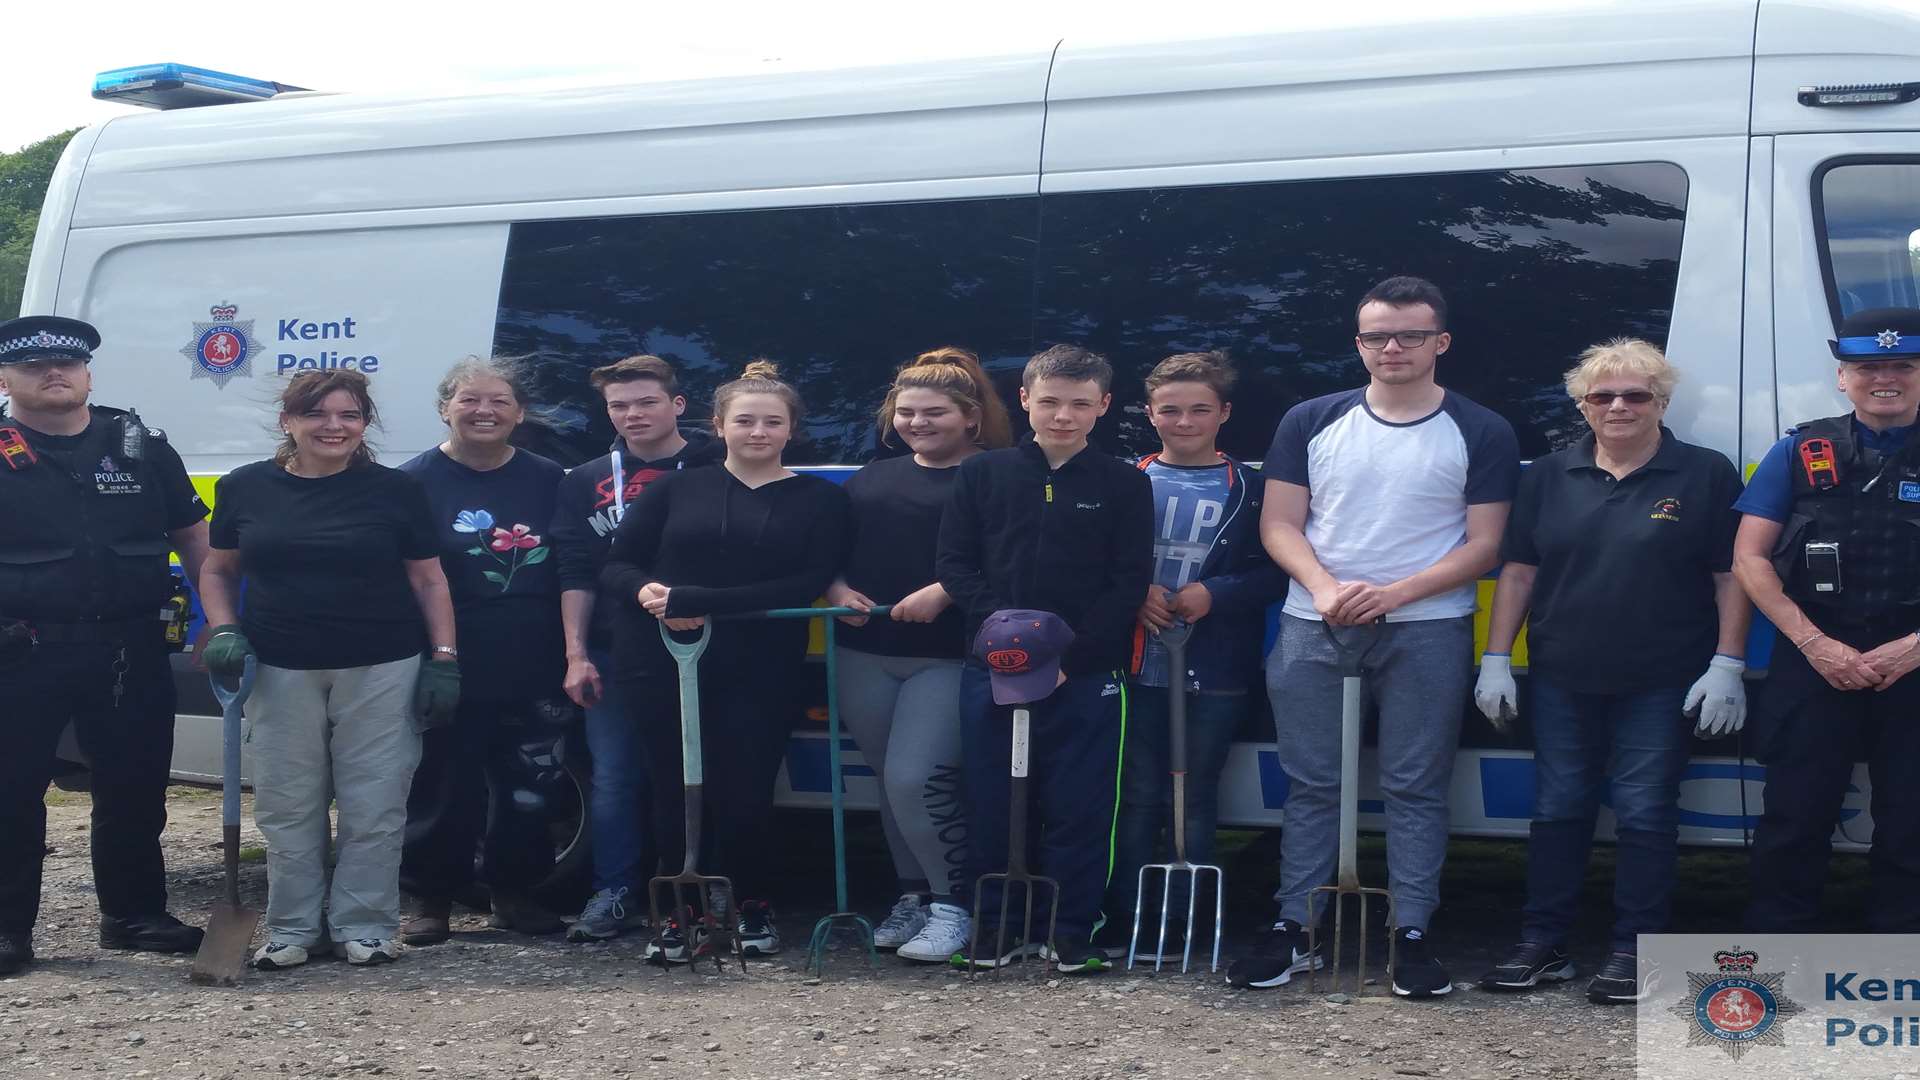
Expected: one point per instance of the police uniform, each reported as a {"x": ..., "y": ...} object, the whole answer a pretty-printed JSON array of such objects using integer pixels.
[
  {"x": 1848, "y": 500},
  {"x": 84, "y": 582}
]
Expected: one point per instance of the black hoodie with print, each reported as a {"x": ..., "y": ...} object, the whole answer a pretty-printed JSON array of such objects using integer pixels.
[
  {"x": 724, "y": 548},
  {"x": 586, "y": 513}
]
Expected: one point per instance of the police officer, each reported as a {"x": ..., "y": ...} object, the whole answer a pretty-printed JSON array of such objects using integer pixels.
[
  {"x": 1829, "y": 549},
  {"x": 91, "y": 502}
]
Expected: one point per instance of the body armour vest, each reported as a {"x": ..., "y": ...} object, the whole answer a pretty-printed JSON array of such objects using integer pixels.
[
  {"x": 85, "y": 536},
  {"x": 1870, "y": 510}
]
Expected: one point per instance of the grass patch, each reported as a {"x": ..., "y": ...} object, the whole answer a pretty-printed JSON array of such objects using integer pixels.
[
  {"x": 193, "y": 793},
  {"x": 253, "y": 854},
  {"x": 59, "y": 797}
]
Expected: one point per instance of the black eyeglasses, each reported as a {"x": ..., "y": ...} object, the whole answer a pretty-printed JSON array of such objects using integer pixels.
[
  {"x": 1604, "y": 398},
  {"x": 1408, "y": 339}
]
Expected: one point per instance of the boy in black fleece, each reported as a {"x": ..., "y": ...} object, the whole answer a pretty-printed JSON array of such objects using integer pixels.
[
  {"x": 645, "y": 404},
  {"x": 1056, "y": 526}
]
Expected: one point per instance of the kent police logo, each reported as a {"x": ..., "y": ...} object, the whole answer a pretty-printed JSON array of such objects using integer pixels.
[
  {"x": 223, "y": 348},
  {"x": 1736, "y": 1009}
]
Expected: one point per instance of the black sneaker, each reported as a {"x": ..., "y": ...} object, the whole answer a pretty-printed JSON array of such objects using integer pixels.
[
  {"x": 1416, "y": 974},
  {"x": 669, "y": 945},
  {"x": 1075, "y": 957},
  {"x": 758, "y": 935},
  {"x": 16, "y": 952},
  {"x": 990, "y": 952},
  {"x": 1527, "y": 966},
  {"x": 1280, "y": 953},
  {"x": 160, "y": 933},
  {"x": 1618, "y": 981}
]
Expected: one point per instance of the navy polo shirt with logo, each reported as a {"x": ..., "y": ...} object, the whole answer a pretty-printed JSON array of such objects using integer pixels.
[{"x": 1623, "y": 597}]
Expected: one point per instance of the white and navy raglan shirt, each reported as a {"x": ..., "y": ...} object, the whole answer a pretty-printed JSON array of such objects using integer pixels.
[{"x": 1387, "y": 500}]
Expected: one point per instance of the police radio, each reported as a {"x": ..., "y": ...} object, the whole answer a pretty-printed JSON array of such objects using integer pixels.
[
  {"x": 1818, "y": 462},
  {"x": 133, "y": 437}
]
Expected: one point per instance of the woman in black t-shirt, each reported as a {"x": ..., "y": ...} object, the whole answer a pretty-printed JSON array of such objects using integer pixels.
[
  {"x": 343, "y": 594},
  {"x": 741, "y": 537},
  {"x": 490, "y": 504},
  {"x": 900, "y": 676}
]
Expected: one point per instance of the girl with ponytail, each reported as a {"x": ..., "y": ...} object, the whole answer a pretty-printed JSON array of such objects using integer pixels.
[
  {"x": 899, "y": 676},
  {"x": 745, "y": 536}
]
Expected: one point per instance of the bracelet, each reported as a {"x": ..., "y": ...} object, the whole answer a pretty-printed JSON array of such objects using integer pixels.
[{"x": 1810, "y": 639}]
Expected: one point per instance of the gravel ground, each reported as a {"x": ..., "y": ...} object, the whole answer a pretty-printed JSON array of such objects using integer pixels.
[{"x": 493, "y": 1004}]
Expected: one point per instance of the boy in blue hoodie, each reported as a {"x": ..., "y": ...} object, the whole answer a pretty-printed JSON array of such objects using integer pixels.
[{"x": 1211, "y": 572}]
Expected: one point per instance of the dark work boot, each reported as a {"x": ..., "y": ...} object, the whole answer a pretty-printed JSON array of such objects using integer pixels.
[
  {"x": 16, "y": 952},
  {"x": 160, "y": 933}
]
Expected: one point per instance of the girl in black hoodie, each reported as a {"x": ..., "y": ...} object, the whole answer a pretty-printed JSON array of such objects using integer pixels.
[{"x": 747, "y": 536}]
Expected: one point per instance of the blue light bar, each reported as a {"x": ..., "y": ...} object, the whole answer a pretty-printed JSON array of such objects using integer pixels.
[{"x": 178, "y": 86}]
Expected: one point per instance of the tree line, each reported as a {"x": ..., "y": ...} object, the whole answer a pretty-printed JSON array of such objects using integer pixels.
[{"x": 23, "y": 186}]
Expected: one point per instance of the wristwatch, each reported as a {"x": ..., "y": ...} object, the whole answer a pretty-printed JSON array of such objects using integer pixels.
[{"x": 447, "y": 651}]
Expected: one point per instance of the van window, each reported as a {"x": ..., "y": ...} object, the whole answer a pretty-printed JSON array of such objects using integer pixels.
[
  {"x": 1536, "y": 266},
  {"x": 838, "y": 296},
  {"x": 1869, "y": 217}
]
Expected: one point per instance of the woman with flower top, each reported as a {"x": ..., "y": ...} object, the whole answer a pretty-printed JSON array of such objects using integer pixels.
[{"x": 490, "y": 503}]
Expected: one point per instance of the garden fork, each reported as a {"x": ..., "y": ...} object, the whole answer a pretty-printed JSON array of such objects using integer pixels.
[
  {"x": 711, "y": 912},
  {"x": 1174, "y": 638},
  {"x": 1352, "y": 653}
]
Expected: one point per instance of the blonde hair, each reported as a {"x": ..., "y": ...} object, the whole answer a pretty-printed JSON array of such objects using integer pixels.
[
  {"x": 760, "y": 376},
  {"x": 957, "y": 373},
  {"x": 1623, "y": 356}
]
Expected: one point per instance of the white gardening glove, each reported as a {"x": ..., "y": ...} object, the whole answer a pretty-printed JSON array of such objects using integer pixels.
[
  {"x": 1719, "y": 698},
  {"x": 1495, "y": 693}
]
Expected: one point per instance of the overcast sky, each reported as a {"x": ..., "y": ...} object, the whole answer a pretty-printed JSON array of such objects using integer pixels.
[{"x": 53, "y": 49}]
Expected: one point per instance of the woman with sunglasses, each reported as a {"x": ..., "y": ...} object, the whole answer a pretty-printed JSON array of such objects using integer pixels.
[{"x": 1619, "y": 554}]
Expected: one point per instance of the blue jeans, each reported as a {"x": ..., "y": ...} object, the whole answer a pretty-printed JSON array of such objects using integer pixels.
[
  {"x": 1146, "y": 788},
  {"x": 623, "y": 848},
  {"x": 1585, "y": 745}
]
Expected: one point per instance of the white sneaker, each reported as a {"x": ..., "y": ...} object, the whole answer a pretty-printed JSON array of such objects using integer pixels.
[
  {"x": 907, "y": 919},
  {"x": 277, "y": 955},
  {"x": 372, "y": 951},
  {"x": 948, "y": 929}
]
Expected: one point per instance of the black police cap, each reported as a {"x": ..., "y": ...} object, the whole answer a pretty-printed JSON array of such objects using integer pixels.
[
  {"x": 46, "y": 337},
  {"x": 1878, "y": 334}
]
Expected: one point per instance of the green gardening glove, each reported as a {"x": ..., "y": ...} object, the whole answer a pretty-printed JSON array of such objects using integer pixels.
[
  {"x": 437, "y": 692},
  {"x": 226, "y": 652}
]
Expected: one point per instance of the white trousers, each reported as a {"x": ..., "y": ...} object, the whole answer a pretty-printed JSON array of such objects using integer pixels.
[{"x": 343, "y": 736}]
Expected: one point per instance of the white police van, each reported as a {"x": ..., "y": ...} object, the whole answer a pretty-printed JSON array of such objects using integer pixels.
[{"x": 1725, "y": 177}]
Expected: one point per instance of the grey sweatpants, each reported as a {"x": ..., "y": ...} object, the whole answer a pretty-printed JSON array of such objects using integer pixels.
[
  {"x": 904, "y": 714},
  {"x": 1417, "y": 677},
  {"x": 343, "y": 736}
]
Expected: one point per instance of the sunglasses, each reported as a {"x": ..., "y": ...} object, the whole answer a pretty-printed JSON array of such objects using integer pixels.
[{"x": 1605, "y": 397}]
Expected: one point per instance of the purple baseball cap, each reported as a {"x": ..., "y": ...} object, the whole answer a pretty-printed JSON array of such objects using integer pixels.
[{"x": 1022, "y": 651}]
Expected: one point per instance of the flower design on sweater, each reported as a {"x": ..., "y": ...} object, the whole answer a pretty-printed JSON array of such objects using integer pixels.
[{"x": 514, "y": 547}]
